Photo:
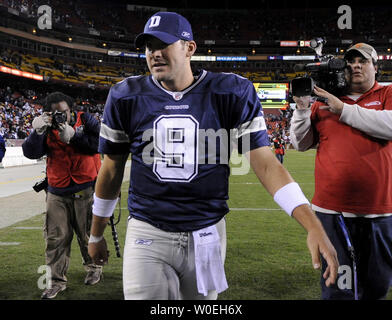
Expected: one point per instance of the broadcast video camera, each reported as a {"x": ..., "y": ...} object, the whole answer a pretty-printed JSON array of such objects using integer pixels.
[{"x": 327, "y": 72}]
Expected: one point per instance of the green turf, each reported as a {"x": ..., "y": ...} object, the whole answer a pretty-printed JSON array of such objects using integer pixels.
[{"x": 267, "y": 257}]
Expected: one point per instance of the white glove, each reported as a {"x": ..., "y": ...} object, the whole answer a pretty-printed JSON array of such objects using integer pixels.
[
  {"x": 66, "y": 132},
  {"x": 41, "y": 123}
]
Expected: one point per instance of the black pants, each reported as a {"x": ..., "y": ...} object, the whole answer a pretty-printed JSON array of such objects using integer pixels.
[{"x": 372, "y": 241}]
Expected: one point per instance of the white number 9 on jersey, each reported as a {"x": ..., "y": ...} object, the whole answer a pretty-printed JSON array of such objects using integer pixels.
[{"x": 176, "y": 142}]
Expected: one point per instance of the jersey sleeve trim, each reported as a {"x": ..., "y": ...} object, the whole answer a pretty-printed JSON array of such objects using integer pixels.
[
  {"x": 116, "y": 136},
  {"x": 257, "y": 124}
]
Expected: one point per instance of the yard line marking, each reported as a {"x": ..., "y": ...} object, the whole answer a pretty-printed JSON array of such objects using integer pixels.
[
  {"x": 260, "y": 183},
  {"x": 245, "y": 183},
  {"x": 28, "y": 228},
  {"x": 9, "y": 243},
  {"x": 255, "y": 209}
]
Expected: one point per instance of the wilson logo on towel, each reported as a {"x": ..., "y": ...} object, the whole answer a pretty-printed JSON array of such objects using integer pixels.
[{"x": 205, "y": 234}]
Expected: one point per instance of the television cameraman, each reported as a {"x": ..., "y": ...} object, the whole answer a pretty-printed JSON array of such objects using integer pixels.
[
  {"x": 353, "y": 174},
  {"x": 70, "y": 141}
]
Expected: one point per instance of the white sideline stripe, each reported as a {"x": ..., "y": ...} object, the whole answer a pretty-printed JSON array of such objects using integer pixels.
[
  {"x": 9, "y": 243},
  {"x": 28, "y": 228}
]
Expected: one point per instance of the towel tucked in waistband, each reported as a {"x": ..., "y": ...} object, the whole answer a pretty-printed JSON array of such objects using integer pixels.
[{"x": 210, "y": 272}]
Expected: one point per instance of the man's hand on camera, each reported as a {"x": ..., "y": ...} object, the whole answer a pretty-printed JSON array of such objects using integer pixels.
[
  {"x": 66, "y": 132},
  {"x": 302, "y": 102},
  {"x": 334, "y": 105},
  {"x": 42, "y": 123},
  {"x": 98, "y": 252}
]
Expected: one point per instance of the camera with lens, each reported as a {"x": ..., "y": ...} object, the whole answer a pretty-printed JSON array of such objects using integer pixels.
[
  {"x": 58, "y": 117},
  {"x": 327, "y": 72},
  {"x": 41, "y": 185}
]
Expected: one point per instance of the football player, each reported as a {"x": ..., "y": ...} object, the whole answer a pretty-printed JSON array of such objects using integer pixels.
[{"x": 176, "y": 238}]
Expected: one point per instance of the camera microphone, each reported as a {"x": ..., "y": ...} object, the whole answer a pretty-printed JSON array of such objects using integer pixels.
[{"x": 314, "y": 43}]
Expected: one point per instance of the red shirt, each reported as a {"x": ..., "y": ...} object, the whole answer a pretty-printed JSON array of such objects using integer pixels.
[{"x": 353, "y": 171}]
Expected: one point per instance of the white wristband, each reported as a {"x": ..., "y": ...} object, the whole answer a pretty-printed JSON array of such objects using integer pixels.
[
  {"x": 103, "y": 207},
  {"x": 94, "y": 239},
  {"x": 289, "y": 197}
]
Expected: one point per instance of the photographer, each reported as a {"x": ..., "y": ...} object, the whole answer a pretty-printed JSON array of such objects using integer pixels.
[
  {"x": 2, "y": 148},
  {"x": 70, "y": 141},
  {"x": 353, "y": 174}
]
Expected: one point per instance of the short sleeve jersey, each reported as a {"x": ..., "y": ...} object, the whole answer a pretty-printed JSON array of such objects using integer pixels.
[{"x": 180, "y": 144}]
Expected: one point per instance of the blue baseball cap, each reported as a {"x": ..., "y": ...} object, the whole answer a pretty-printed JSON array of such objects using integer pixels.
[{"x": 168, "y": 27}]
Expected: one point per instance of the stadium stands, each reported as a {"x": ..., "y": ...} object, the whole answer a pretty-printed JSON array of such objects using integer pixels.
[
  {"x": 266, "y": 23},
  {"x": 98, "y": 22},
  {"x": 21, "y": 101}
]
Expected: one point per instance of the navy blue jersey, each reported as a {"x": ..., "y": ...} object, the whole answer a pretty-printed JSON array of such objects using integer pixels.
[{"x": 180, "y": 143}]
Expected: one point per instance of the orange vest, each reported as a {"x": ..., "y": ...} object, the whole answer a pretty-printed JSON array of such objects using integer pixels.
[{"x": 65, "y": 163}]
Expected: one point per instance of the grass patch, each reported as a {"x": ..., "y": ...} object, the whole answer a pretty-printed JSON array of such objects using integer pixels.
[{"x": 266, "y": 258}]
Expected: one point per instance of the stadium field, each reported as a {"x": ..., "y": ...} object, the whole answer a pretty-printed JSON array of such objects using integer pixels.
[{"x": 267, "y": 257}]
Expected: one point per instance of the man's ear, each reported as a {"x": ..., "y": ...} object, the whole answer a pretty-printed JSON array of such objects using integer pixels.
[{"x": 191, "y": 48}]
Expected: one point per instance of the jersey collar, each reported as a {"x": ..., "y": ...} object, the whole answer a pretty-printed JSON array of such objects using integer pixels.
[{"x": 178, "y": 95}]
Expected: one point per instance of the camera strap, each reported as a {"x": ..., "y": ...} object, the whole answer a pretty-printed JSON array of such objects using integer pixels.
[{"x": 350, "y": 248}]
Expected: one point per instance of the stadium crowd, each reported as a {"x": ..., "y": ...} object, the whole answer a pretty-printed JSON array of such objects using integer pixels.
[
  {"x": 283, "y": 23},
  {"x": 18, "y": 108},
  {"x": 17, "y": 111}
]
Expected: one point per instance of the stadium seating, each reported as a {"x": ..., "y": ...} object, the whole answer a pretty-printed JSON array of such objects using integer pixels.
[{"x": 230, "y": 25}]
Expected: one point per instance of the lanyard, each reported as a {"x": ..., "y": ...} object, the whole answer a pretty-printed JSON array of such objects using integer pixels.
[{"x": 351, "y": 249}]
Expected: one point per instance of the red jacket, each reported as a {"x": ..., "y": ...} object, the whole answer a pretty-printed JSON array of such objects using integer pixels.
[
  {"x": 353, "y": 171},
  {"x": 64, "y": 162}
]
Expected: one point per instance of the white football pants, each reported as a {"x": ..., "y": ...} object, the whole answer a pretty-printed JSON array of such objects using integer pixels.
[{"x": 160, "y": 265}]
